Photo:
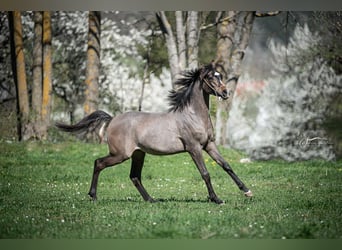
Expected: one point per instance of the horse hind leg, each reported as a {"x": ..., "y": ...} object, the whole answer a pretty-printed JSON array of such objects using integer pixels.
[
  {"x": 99, "y": 165},
  {"x": 135, "y": 175}
]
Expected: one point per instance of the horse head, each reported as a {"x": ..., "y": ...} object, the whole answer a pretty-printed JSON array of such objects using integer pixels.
[{"x": 212, "y": 82}]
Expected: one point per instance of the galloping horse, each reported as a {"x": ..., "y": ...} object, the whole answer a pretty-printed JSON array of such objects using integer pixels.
[{"x": 186, "y": 127}]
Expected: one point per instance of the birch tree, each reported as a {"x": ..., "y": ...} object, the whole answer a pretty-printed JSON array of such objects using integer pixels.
[
  {"x": 182, "y": 47},
  {"x": 193, "y": 30},
  {"x": 93, "y": 63}
]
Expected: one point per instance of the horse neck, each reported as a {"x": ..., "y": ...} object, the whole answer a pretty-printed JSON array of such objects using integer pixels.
[{"x": 200, "y": 102}]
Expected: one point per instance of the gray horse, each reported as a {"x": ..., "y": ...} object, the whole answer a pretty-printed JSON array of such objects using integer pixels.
[{"x": 186, "y": 127}]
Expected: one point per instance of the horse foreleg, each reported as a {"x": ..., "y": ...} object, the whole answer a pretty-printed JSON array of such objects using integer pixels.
[
  {"x": 135, "y": 175},
  {"x": 99, "y": 165},
  {"x": 212, "y": 150},
  {"x": 198, "y": 159}
]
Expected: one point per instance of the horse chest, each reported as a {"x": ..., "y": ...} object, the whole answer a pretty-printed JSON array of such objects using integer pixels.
[{"x": 198, "y": 132}]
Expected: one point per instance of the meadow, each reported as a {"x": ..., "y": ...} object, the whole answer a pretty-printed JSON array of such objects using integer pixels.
[{"x": 44, "y": 190}]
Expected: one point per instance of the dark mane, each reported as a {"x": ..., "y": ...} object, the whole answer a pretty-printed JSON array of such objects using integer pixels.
[{"x": 180, "y": 97}]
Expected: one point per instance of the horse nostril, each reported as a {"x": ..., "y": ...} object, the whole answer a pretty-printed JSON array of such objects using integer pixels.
[{"x": 225, "y": 94}]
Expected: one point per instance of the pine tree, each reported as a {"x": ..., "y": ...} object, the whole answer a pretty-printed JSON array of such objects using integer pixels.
[
  {"x": 18, "y": 65},
  {"x": 93, "y": 63}
]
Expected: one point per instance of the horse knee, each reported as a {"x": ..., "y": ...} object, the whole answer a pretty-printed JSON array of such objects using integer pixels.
[{"x": 205, "y": 176}]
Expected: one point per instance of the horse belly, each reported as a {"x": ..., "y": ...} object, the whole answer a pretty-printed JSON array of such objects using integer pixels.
[
  {"x": 160, "y": 141},
  {"x": 161, "y": 146}
]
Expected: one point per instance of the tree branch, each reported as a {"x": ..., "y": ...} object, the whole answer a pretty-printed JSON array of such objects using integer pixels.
[
  {"x": 218, "y": 21},
  {"x": 264, "y": 14}
]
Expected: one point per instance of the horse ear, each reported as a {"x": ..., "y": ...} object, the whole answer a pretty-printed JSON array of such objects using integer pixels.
[
  {"x": 213, "y": 65},
  {"x": 219, "y": 68}
]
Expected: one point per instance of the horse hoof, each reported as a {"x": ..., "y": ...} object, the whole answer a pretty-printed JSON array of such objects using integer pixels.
[
  {"x": 151, "y": 200},
  {"x": 220, "y": 202},
  {"x": 216, "y": 200},
  {"x": 249, "y": 193},
  {"x": 92, "y": 198}
]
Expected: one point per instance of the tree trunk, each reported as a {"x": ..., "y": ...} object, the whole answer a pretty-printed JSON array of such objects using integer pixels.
[
  {"x": 239, "y": 52},
  {"x": 37, "y": 85},
  {"x": 47, "y": 71},
  {"x": 93, "y": 63},
  {"x": 181, "y": 39},
  {"x": 144, "y": 81},
  {"x": 225, "y": 41},
  {"x": 231, "y": 45},
  {"x": 18, "y": 63},
  {"x": 193, "y": 39},
  {"x": 171, "y": 46}
]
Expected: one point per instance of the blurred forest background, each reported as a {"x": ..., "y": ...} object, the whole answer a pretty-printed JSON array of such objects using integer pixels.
[{"x": 283, "y": 70}]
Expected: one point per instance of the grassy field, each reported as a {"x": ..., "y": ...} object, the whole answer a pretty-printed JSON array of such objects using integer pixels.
[{"x": 44, "y": 190}]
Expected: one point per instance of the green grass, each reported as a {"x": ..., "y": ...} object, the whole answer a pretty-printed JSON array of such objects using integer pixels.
[{"x": 44, "y": 190}]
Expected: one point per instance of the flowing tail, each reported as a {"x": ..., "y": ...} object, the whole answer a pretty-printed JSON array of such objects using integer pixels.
[{"x": 95, "y": 122}]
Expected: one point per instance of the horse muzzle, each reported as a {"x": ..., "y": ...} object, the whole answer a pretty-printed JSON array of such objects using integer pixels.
[{"x": 224, "y": 95}]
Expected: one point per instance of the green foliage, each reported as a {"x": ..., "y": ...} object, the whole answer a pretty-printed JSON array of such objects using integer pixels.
[
  {"x": 208, "y": 39},
  {"x": 155, "y": 54},
  {"x": 44, "y": 186}
]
